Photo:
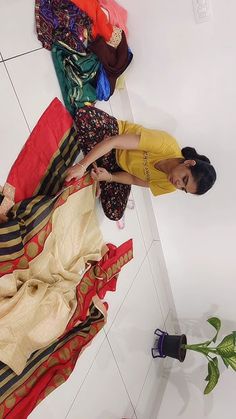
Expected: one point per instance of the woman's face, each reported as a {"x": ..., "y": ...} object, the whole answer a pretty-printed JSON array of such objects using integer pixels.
[{"x": 181, "y": 177}]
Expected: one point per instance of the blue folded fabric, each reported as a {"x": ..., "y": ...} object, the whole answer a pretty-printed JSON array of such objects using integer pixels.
[{"x": 103, "y": 90}]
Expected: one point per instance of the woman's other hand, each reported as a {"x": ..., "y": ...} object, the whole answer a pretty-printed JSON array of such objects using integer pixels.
[
  {"x": 75, "y": 172},
  {"x": 100, "y": 174},
  {"x": 98, "y": 190}
]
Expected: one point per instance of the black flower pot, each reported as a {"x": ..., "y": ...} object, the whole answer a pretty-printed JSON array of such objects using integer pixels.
[
  {"x": 169, "y": 345},
  {"x": 172, "y": 346}
]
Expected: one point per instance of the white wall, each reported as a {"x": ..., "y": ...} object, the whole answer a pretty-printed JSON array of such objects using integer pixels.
[{"x": 183, "y": 80}]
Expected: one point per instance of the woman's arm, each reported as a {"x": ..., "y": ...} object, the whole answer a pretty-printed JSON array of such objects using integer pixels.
[
  {"x": 100, "y": 174},
  {"x": 124, "y": 142},
  {"x": 127, "y": 179}
]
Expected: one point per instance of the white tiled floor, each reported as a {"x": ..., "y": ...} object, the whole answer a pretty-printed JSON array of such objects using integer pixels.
[{"x": 115, "y": 377}]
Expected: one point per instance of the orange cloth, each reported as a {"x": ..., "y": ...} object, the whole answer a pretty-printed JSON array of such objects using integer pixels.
[{"x": 101, "y": 25}]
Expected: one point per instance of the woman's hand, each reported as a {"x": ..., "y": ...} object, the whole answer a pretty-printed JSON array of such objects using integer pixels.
[
  {"x": 75, "y": 172},
  {"x": 100, "y": 174},
  {"x": 3, "y": 218}
]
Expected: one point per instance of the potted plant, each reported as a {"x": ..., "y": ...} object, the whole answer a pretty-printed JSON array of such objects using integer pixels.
[{"x": 176, "y": 346}]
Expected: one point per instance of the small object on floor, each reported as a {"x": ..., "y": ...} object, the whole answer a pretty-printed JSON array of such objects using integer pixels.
[
  {"x": 131, "y": 203},
  {"x": 121, "y": 223}
]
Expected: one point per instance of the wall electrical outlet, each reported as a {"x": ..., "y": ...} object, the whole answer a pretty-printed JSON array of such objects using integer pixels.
[{"x": 202, "y": 10}]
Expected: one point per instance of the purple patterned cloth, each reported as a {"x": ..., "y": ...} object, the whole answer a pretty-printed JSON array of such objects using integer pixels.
[{"x": 61, "y": 20}]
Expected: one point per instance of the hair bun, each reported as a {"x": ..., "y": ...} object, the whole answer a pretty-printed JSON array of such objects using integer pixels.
[{"x": 190, "y": 153}]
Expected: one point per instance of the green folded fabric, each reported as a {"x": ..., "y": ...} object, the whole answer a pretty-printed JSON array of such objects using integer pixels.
[{"x": 76, "y": 73}]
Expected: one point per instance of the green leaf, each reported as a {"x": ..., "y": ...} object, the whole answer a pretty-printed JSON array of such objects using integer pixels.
[
  {"x": 226, "y": 348},
  {"x": 234, "y": 335},
  {"x": 232, "y": 362},
  {"x": 215, "y": 360},
  {"x": 216, "y": 323},
  {"x": 213, "y": 376},
  {"x": 225, "y": 360}
]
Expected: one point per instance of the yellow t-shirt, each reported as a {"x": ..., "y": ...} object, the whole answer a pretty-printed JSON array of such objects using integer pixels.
[{"x": 153, "y": 147}]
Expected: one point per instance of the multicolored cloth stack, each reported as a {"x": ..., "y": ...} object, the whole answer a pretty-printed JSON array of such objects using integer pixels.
[{"x": 89, "y": 52}]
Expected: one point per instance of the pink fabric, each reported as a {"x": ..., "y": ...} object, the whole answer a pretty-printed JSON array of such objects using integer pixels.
[{"x": 117, "y": 14}]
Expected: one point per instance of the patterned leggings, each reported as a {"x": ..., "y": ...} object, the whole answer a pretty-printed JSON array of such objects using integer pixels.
[{"x": 93, "y": 125}]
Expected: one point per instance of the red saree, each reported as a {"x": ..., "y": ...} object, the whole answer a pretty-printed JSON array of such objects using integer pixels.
[{"x": 37, "y": 180}]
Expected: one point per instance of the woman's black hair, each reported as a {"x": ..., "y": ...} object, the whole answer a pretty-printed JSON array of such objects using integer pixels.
[{"x": 203, "y": 172}]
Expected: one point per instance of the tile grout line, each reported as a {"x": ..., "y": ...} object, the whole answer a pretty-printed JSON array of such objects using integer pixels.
[
  {"x": 106, "y": 338},
  {"x": 121, "y": 376},
  {"x": 18, "y": 100},
  {"x": 140, "y": 225},
  {"x": 154, "y": 284},
  {"x": 145, "y": 380},
  {"x": 135, "y": 277},
  {"x": 170, "y": 300},
  {"x": 149, "y": 367},
  {"x": 163, "y": 321},
  {"x": 22, "y": 54},
  {"x": 72, "y": 403}
]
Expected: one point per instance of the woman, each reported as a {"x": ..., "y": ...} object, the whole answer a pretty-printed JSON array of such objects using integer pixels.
[{"x": 127, "y": 154}]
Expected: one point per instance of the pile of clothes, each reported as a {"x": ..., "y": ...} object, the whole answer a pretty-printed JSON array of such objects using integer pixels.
[{"x": 89, "y": 48}]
